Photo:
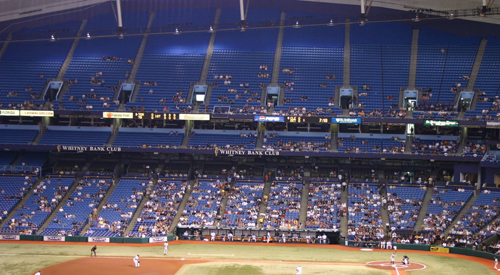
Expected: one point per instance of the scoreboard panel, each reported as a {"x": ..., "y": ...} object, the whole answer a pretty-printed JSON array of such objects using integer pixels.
[
  {"x": 156, "y": 116},
  {"x": 307, "y": 119}
]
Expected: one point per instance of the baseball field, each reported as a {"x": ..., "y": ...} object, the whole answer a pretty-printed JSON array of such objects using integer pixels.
[{"x": 194, "y": 257}]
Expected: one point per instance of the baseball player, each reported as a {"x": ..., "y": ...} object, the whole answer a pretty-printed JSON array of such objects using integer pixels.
[
  {"x": 254, "y": 238},
  {"x": 308, "y": 237},
  {"x": 93, "y": 250},
  {"x": 268, "y": 237},
  {"x": 137, "y": 263},
  {"x": 392, "y": 258},
  {"x": 165, "y": 248},
  {"x": 39, "y": 272},
  {"x": 389, "y": 244},
  {"x": 406, "y": 260},
  {"x": 212, "y": 236},
  {"x": 496, "y": 263},
  {"x": 382, "y": 244},
  {"x": 299, "y": 270},
  {"x": 230, "y": 236},
  {"x": 283, "y": 238}
]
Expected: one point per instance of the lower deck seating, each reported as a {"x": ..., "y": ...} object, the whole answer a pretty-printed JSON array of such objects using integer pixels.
[
  {"x": 45, "y": 197},
  {"x": 283, "y": 207},
  {"x": 119, "y": 209},
  {"x": 79, "y": 209},
  {"x": 159, "y": 211}
]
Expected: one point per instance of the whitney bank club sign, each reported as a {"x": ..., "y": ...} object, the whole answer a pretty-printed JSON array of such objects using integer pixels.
[
  {"x": 88, "y": 148},
  {"x": 228, "y": 152}
]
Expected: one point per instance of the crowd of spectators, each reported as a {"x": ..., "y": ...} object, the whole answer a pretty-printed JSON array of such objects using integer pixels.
[
  {"x": 159, "y": 211},
  {"x": 364, "y": 220},
  {"x": 444, "y": 205},
  {"x": 474, "y": 149},
  {"x": 324, "y": 209},
  {"x": 283, "y": 206},
  {"x": 435, "y": 147},
  {"x": 403, "y": 206},
  {"x": 243, "y": 205},
  {"x": 204, "y": 203}
]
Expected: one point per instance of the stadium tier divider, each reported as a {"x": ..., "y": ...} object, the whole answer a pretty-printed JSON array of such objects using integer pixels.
[{"x": 86, "y": 239}]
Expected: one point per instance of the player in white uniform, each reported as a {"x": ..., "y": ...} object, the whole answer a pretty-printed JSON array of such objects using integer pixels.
[
  {"x": 283, "y": 238},
  {"x": 382, "y": 244},
  {"x": 268, "y": 237},
  {"x": 496, "y": 263},
  {"x": 324, "y": 238},
  {"x": 212, "y": 236},
  {"x": 389, "y": 244},
  {"x": 230, "y": 236},
  {"x": 308, "y": 238},
  {"x": 392, "y": 257},
  {"x": 137, "y": 263},
  {"x": 299, "y": 270},
  {"x": 39, "y": 272},
  {"x": 165, "y": 248}
]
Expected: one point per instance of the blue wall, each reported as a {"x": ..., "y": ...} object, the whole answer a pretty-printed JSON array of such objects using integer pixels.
[
  {"x": 250, "y": 40},
  {"x": 320, "y": 37},
  {"x": 382, "y": 33},
  {"x": 40, "y": 50},
  {"x": 182, "y": 16},
  {"x": 109, "y": 21},
  {"x": 185, "y": 43},
  {"x": 433, "y": 37},
  {"x": 465, "y": 168},
  {"x": 112, "y": 46}
]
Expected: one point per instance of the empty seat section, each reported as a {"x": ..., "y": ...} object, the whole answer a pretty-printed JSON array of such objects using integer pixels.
[
  {"x": 78, "y": 210},
  {"x": 97, "y": 67},
  {"x": 222, "y": 139},
  {"x": 119, "y": 209},
  {"x": 12, "y": 190},
  {"x": 153, "y": 138},
  {"x": 74, "y": 136},
  {"x": 44, "y": 199},
  {"x": 309, "y": 77}
]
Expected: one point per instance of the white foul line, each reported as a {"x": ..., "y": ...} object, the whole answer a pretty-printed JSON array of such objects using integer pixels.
[
  {"x": 397, "y": 271},
  {"x": 230, "y": 255}
]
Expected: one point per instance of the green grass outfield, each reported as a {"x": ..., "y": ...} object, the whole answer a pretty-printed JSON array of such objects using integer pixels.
[
  {"x": 25, "y": 258},
  {"x": 218, "y": 268}
]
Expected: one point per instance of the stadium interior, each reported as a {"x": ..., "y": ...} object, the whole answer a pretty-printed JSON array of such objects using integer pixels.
[{"x": 151, "y": 118}]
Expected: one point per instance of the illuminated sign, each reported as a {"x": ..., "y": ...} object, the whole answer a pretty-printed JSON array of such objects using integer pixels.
[
  {"x": 204, "y": 117},
  {"x": 155, "y": 116},
  {"x": 9, "y": 112},
  {"x": 344, "y": 120},
  {"x": 38, "y": 113},
  {"x": 224, "y": 152},
  {"x": 306, "y": 119},
  {"x": 446, "y": 123},
  {"x": 492, "y": 124},
  {"x": 117, "y": 115},
  {"x": 269, "y": 118}
]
